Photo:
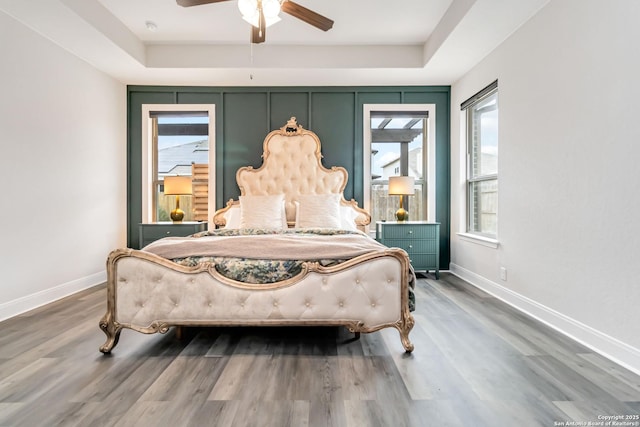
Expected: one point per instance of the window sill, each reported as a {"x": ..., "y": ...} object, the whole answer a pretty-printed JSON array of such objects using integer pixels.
[{"x": 479, "y": 240}]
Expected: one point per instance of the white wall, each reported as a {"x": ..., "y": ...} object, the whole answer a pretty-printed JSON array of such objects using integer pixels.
[
  {"x": 62, "y": 169},
  {"x": 569, "y": 173}
]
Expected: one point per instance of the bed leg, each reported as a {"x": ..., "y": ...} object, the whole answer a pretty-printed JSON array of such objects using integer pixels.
[
  {"x": 404, "y": 327},
  {"x": 179, "y": 332},
  {"x": 406, "y": 342},
  {"x": 112, "y": 331},
  {"x": 356, "y": 336}
]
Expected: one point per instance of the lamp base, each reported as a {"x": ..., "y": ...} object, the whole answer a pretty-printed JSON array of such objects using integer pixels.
[
  {"x": 402, "y": 215},
  {"x": 177, "y": 215}
]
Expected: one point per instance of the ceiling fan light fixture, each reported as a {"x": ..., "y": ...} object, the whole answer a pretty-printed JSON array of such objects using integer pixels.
[
  {"x": 254, "y": 20},
  {"x": 251, "y": 14}
]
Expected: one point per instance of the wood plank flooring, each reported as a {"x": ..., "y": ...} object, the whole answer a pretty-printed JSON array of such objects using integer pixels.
[{"x": 477, "y": 362}]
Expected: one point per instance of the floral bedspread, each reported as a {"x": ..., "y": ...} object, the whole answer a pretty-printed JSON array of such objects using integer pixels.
[
  {"x": 259, "y": 271},
  {"x": 253, "y": 270}
]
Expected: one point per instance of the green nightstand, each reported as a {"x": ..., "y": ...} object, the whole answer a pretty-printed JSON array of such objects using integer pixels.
[
  {"x": 420, "y": 239},
  {"x": 157, "y": 230}
]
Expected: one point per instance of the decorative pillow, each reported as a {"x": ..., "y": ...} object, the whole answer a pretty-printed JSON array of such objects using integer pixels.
[
  {"x": 348, "y": 217},
  {"x": 263, "y": 212},
  {"x": 318, "y": 211},
  {"x": 232, "y": 217}
]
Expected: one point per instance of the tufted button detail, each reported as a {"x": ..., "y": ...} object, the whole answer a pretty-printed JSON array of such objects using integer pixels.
[
  {"x": 358, "y": 281},
  {"x": 373, "y": 304},
  {"x": 275, "y": 303}
]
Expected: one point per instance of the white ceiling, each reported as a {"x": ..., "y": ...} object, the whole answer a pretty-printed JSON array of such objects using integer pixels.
[{"x": 373, "y": 42}]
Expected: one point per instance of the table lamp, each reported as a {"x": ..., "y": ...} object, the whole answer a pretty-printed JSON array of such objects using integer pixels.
[
  {"x": 177, "y": 186},
  {"x": 401, "y": 186}
]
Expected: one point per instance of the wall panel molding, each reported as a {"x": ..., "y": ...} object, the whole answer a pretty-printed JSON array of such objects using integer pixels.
[{"x": 244, "y": 116}]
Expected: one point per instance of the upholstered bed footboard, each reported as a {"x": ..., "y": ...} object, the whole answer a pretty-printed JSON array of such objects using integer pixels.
[{"x": 149, "y": 294}]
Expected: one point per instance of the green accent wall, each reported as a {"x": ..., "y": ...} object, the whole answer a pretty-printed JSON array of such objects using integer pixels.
[{"x": 245, "y": 115}]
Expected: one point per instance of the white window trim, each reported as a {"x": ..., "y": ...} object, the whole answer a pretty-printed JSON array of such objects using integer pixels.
[
  {"x": 463, "y": 200},
  {"x": 147, "y": 154},
  {"x": 431, "y": 150},
  {"x": 479, "y": 240},
  {"x": 465, "y": 233}
]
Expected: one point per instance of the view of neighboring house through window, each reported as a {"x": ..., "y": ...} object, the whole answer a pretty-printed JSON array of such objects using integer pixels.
[
  {"x": 181, "y": 148},
  {"x": 398, "y": 148},
  {"x": 482, "y": 167}
]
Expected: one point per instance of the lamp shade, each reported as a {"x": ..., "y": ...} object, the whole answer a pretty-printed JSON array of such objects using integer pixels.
[
  {"x": 177, "y": 185},
  {"x": 401, "y": 185},
  {"x": 251, "y": 14}
]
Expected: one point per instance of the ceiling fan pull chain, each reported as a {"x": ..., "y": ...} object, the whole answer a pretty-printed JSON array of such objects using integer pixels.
[{"x": 251, "y": 59}]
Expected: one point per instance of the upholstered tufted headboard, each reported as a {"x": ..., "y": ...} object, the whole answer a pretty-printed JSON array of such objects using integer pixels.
[{"x": 291, "y": 165}]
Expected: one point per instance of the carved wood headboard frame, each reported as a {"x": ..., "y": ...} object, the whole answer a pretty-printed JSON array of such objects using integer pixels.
[{"x": 292, "y": 165}]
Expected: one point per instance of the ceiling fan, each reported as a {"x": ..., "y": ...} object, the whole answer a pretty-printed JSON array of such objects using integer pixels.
[{"x": 262, "y": 13}]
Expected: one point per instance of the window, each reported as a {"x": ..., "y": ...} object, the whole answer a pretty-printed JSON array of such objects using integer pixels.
[
  {"x": 399, "y": 139},
  {"x": 179, "y": 142},
  {"x": 180, "y": 149},
  {"x": 482, "y": 161}
]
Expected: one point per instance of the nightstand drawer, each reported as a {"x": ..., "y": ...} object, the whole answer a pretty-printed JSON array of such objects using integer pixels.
[
  {"x": 154, "y": 231},
  {"x": 423, "y": 261},
  {"x": 409, "y": 231},
  {"x": 158, "y": 232},
  {"x": 413, "y": 246},
  {"x": 420, "y": 239}
]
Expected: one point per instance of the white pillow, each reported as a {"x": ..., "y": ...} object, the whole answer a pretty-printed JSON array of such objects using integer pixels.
[
  {"x": 318, "y": 211},
  {"x": 263, "y": 212},
  {"x": 348, "y": 217},
  {"x": 232, "y": 217}
]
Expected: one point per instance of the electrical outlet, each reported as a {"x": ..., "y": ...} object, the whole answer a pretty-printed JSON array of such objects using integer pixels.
[{"x": 503, "y": 273}]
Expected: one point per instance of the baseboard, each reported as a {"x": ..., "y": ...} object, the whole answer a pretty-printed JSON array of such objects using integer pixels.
[
  {"x": 29, "y": 302},
  {"x": 609, "y": 347}
]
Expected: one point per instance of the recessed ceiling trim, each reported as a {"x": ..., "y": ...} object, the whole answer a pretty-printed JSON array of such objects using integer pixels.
[
  {"x": 278, "y": 56},
  {"x": 434, "y": 45}
]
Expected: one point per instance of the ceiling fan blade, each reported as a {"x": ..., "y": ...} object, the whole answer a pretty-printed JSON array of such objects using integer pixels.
[
  {"x": 307, "y": 15},
  {"x": 189, "y": 3},
  {"x": 259, "y": 34}
]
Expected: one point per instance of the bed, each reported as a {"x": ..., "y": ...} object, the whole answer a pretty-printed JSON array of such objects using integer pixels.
[{"x": 290, "y": 252}]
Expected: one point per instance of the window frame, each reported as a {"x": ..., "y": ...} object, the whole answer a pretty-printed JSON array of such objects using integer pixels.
[
  {"x": 429, "y": 151},
  {"x": 402, "y": 169},
  {"x": 471, "y": 178},
  {"x": 149, "y": 153}
]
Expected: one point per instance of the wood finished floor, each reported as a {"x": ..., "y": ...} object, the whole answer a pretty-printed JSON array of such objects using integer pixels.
[{"x": 477, "y": 362}]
